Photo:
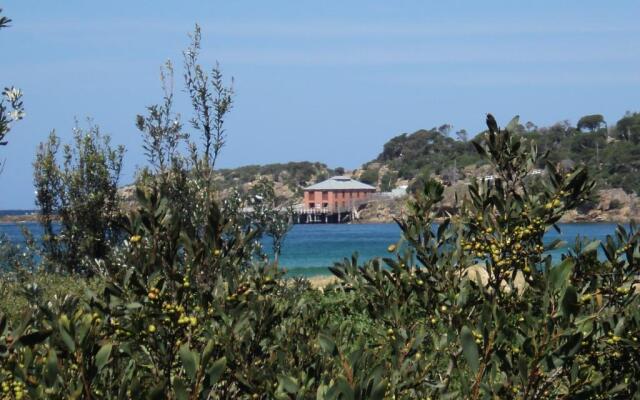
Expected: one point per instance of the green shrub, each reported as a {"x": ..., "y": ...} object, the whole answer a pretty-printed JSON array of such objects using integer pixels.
[
  {"x": 83, "y": 193},
  {"x": 370, "y": 176},
  {"x": 388, "y": 181},
  {"x": 475, "y": 310}
]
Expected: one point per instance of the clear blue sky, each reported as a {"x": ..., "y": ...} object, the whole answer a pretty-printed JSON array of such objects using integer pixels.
[{"x": 327, "y": 81}]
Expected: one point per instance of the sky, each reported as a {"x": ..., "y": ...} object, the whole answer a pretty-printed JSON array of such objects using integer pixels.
[{"x": 327, "y": 81}]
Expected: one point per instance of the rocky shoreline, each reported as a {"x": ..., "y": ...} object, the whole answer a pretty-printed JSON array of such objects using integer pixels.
[
  {"x": 18, "y": 219},
  {"x": 612, "y": 206}
]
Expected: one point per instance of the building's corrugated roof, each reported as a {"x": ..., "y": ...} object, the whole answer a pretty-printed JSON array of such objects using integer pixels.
[{"x": 340, "y": 183}]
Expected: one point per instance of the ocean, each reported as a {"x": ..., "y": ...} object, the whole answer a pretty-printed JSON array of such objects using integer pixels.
[{"x": 310, "y": 249}]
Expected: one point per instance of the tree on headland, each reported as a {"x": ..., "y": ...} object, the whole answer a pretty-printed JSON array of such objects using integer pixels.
[
  {"x": 445, "y": 129},
  {"x": 591, "y": 122},
  {"x": 530, "y": 126},
  {"x": 462, "y": 135},
  {"x": 628, "y": 128}
]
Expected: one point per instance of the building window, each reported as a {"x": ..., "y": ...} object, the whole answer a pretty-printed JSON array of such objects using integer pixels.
[
  {"x": 325, "y": 195},
  {"x": 325, "y": 205},
  {"x": 312, "y": 205}
]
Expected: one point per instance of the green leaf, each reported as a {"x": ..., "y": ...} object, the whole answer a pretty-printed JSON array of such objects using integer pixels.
[
  {"x": 585, "y": 324},
  {"x": 51, "y": 368},
  {"x": 67, "y": 339},
  {"x": 134, "y": 305},
  {"x": 559, "y": 274},
  {"x": 3, "y": 324},
  {"x": 469, "y": 348},
  {"x": 189, "y": 360},
  {"x": 592, "y": 246},
  {"x": 102, "y": 357},
  {"x": 556, "y": 244},
  {"x": 208, "y": 351},
  {"x": 513, "y": 124},
  {"x": 288, "y": 384},
  {"x": 158, "y": 392},
  {"x": 82, "y": 328},
  {"x": 327, "y": 343},
  {"x": 378, "y": 390},
  {"x": 619, "y": 329},
  {"x": 34, "y": 338},
  {"x": 180, "y": 389},
  {"x": 216, "y": 370},
  {"x": 569, "y": 304},
  {"x": 523, "y": 368},
  {"x": 344, "y": 387}
]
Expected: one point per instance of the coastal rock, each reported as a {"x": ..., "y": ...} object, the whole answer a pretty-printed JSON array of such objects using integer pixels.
[{"x": 613, "y": 205}]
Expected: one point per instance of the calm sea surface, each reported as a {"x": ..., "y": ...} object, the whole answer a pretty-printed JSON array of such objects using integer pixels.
[{"x": 309, "y": 249}]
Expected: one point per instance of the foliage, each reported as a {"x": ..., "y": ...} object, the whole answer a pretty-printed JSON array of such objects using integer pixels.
[
  {"x": 11, "y": 110},
  {"x": 273, "y": 216},
  {"x": 294, "y": 175},
  {"x": 628, "y": 128},
  {"x": 370, "y": 176},
  {"x": 11, "y": 107},
  {"x": 22, "y": 286},
  {"x": 388, "y": 181},
  {"x": 210, "y": 98},
  {"x": 425, "y": 150},
  {"x": 430, "y": 150},
  {"x": 162, "y": 130},
  {"x": 475, "y": 310},
  {"x": 82, "y": 192},
  {"x": 14, "y": 256}
]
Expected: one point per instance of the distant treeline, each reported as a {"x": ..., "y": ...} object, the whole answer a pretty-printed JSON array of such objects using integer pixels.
[
  {"x": 611, "y": 152},
  {"x": 294, "y": 175}
]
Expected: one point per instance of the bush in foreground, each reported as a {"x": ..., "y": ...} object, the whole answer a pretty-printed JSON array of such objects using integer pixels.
[{"x": 470, "y": 309}]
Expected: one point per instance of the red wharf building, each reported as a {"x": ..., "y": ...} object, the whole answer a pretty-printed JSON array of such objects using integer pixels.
[{"x": 336, "y": 194}]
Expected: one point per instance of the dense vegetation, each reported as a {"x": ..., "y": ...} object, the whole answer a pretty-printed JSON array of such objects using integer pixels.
[
  {"x": 294, "y": 175},
  {"x": 184, "y": 304},
  {"x": 471, "y": 310},
  {"x": 612, "y": 153}
]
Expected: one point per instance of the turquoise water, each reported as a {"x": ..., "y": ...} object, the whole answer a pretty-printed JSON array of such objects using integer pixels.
[{"x": 309, "y": 249}]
